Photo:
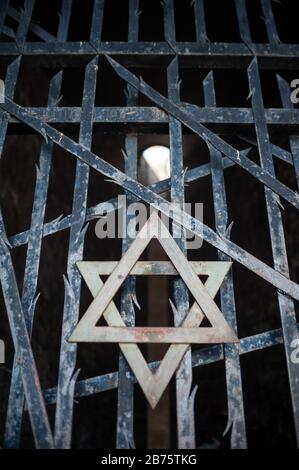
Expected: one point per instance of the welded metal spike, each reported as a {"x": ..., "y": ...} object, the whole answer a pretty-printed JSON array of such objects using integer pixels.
[
  {"x": 250, "y": 94},
  {"x": 81, "y": 235},
  {"x": 134, "y": 300},
  {"x": 191, "y": 399},
  {"x": 229, "y": 424},
  {"x": 58, "y": 100},
  {"x": 32, "y": 306},
  {"x": 124, "y": 154},
  {"x": 278, "y": 201},
  {"x": 174, "y": 309},
  {"x": 38, "y": 172},
  {"x": 9, "y": 32},
  {"x": 229, "y": 229}
]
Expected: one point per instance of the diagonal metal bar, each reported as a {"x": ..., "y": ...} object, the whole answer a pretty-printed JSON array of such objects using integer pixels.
[
  {"x": 93, "y": 212},
  {"x": 210, "y": 137},
  {"x": 276, "y": 151},
  {"x": 270, "y": 21},
  {"x": 34, "y": 28},
  {"x": 113, "y": 204},
  {"x": 162, "y": 186},
  {"x": 125, "y": 404},
  {"x": 65, "y": 388},
  {"x": 190, "y": 223},
  {"x": 201, "y": 357},
  {"x": 286, "y": 305},
  {"x": 33, "y": 392},
  {"x": 236, "y": 418}
]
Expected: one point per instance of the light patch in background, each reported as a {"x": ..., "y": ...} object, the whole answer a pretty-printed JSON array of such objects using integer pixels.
[{"x": 157, "y": 158}]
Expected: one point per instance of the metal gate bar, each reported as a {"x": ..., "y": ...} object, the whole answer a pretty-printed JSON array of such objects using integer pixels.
[
  {"x": 236, "y": 418},
  {"x": 185, "y": 396},
  {"x": 125, "y": 404}
]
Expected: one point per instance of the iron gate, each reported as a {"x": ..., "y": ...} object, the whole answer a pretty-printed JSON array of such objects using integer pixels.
[{"x": 26, "y": 394}]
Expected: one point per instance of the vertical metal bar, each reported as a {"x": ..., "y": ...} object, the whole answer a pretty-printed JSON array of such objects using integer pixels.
[
  {"x": 270, "y": 21},
  {"x": 3, "y": 11},
  {"x": 64, "y": 20},
  {"x": 185, "y": 399},
  {"x": 68, "y": 352},
  {"x": 243, "y": 21},
  {"x": 286, "y": 304},
  {"x": 125, "y": 404},
  {"x": 200, "y": 24},
  {"x": 285, "y": 93},
  {"x": 97, "y": 22},
  {"x": 24, "y": 24},
  {"x": 236, "y": 418}
]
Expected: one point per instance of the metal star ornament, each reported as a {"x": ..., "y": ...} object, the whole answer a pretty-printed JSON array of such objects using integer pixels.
[{"x": 154, "y": 383}]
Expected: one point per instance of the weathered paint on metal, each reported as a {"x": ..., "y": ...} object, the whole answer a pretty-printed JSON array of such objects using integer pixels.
[
  {"x": 236, "y": 418},
  {"x": 125, "y": 403},
  {"x": 67, "y": 374},
  {"x": 286, "y": 304},
  {"x": 184, "y": 393}
]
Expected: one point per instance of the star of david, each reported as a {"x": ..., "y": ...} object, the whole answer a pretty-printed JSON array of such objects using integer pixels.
[{"x": 153, "y": 384}]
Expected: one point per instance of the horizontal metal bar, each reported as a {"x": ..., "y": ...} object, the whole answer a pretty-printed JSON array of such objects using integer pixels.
[
  {"x": 153, "y": 268},
  {"x": 135, "y": 114},
  {"x": 201, "y": 357},
  {"x": 210, "y": 55},
  {"x": 164, "y": 335}
]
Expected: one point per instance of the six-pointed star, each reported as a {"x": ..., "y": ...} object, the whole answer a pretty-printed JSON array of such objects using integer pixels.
[{"x": 153, "y": 384}]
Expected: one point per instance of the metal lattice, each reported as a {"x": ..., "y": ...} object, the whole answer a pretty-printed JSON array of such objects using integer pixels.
[{"x": 56, "y": 51}]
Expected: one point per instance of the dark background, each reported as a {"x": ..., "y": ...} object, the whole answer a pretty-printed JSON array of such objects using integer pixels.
[{"x": 264, "y": 373}]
